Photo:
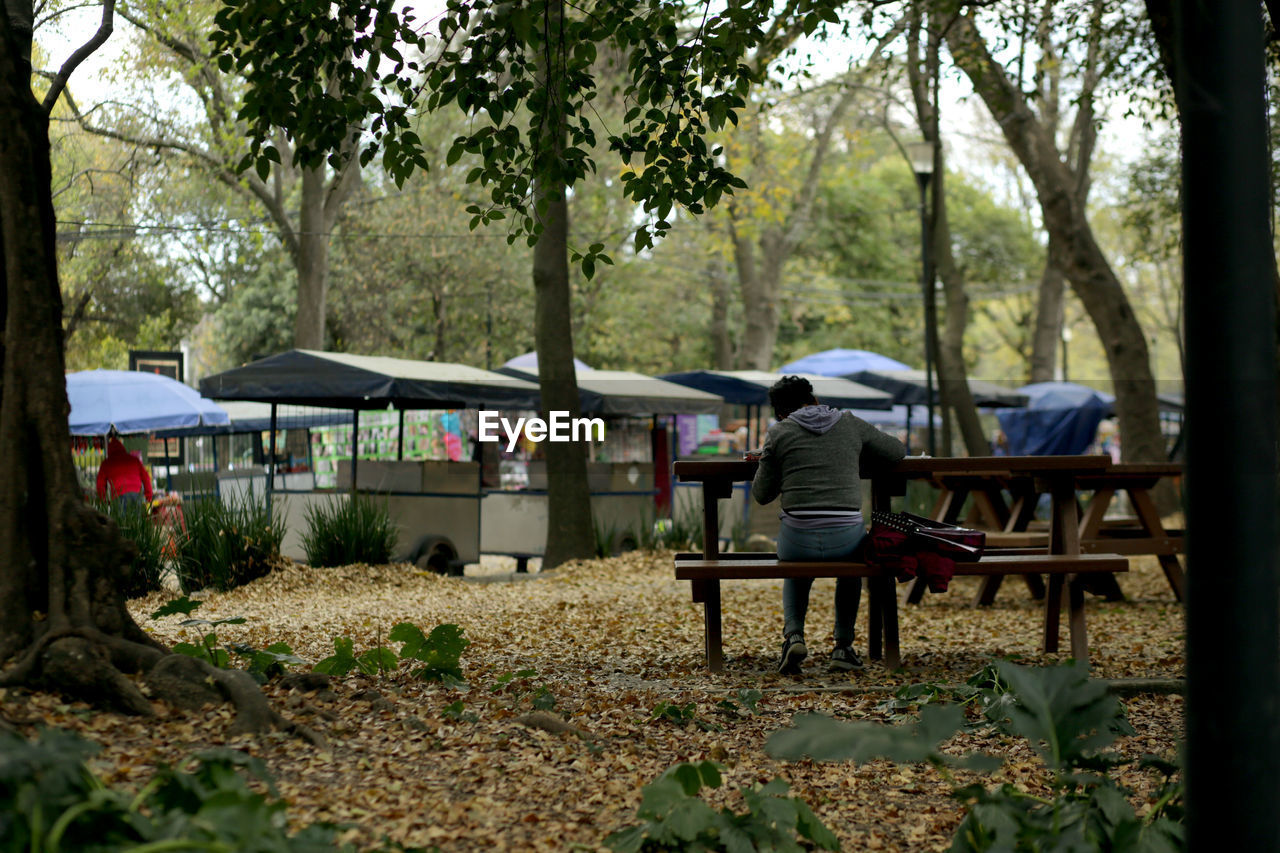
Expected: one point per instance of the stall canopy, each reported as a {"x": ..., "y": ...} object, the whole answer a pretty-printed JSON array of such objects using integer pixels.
[
  {"x": 529, "y": 362},
  {"x": 909, "y": 387},
  {"x": 339, "y": 380},
  {"x": 621, "y": 392},
  {"x": 1061, "y": 418},
  {"x": 751, "y": 388},
  {"x": 136, "y": 401},
  {"x": 842, "y": 362}
]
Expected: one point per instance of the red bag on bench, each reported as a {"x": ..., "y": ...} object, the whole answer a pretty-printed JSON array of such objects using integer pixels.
[{"x": 962, "y": 544}]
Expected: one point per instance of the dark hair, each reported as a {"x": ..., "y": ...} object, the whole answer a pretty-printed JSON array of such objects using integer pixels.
[{"x": 790, "y": 393}]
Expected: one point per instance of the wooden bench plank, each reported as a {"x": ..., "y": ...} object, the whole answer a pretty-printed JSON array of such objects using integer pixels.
[{"x": 1063, "y": 569}]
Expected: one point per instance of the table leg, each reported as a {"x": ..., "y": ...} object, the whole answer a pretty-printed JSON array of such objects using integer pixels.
[
  {"x": 710, "y": 520},
  {"x": 892, "y": 656},
  {"x": 915, "y": 592},
  {"x": 875, "y": 617},
  {"x": 711, "y": 609},
  {"x": 1052, "y": 613},
  {"x": 1079, "y": 636},
  {"x": 1149, "y": 517},
  {"x": 987, "y": 590},
  {"x": 1064, "y": 538}
]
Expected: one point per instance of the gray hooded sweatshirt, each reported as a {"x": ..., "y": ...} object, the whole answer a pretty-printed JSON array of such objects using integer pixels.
[{"x": 815, "y": 460}]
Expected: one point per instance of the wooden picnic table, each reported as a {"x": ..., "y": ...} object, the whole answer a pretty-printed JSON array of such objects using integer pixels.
[
  {"x": 987, "y": 481},
  {"x": 1052, "y": 475}
]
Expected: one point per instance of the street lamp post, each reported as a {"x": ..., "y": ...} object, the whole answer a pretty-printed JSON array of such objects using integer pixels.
[{"x": 921, "y": 155}]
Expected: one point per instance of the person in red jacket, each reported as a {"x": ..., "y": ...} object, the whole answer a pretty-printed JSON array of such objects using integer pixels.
[{"x": 122, "y": 475}]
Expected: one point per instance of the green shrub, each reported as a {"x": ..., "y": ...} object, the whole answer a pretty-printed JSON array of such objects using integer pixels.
[
  {"x": 150, "y": 563},
  {"x": 358, "y": 530},
  {"x": 228, "y": 543},
  {"x": 676, "y": 818},
  {"x": 50, "y": 801}
]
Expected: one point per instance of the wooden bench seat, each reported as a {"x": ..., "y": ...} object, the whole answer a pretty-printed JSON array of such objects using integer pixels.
[{"x": 1069, "y": 569}]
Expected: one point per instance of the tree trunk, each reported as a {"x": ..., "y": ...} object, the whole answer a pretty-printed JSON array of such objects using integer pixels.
[
  {"x": 1049, "y": 315},
  {"x": 953, "y": 380},
  {"x": 1085, "y": 266},
  {"x": 721, "y": 343},
  {"x": 313, "y": 262},
  {"x": 570, "y": 534},
  {"x": 64, "y": 625},
  {"x": 759, "y": 281}
]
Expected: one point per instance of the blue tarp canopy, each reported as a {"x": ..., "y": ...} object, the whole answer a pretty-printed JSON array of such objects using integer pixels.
[
  {"x": 751, "y": 388},
  {"x": 339, "y": 380},
  {"x": 842, "y": 362},
  {"x": 136, "y": 401},
  {"x": 1061, "y": 418}
]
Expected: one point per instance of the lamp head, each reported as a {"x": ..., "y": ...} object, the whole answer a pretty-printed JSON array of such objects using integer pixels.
[{"x": 921, "y": 156}]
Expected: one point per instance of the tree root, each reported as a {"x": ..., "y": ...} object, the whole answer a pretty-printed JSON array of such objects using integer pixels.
[{"x": 79, "y": 668}]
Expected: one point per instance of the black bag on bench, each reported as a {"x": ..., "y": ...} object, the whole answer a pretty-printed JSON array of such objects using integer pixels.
[{"x": 962, "y": 544}]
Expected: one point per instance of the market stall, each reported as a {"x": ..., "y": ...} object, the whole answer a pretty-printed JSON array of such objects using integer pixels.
[{"x": 435, "y": 502}]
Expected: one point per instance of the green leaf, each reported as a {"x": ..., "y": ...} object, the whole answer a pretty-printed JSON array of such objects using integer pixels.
[{"x": 183, "y": 605}]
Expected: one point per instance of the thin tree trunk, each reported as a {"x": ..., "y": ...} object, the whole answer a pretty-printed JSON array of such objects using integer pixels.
[
  {"x": 1049, "y": 316},
  {"x": 953, "y": 381},
  {"x": 570, "y": 534}
]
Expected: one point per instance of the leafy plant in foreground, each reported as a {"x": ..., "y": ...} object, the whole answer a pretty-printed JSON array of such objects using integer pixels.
[
  {"x": 438, "y": 653},
  {"x": 359, "y": 530},
  {"x": 49, "y": 801},
  {"x": 378, "y": 659},
  {"x": 676, "y": 818},
  {"x": 1067, "y": 719},
  {"x": 228, "y": 544}
]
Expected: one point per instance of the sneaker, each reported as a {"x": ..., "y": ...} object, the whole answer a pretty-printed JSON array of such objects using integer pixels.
[
  {"x": 844, "y": 659},
  {"x": 794, "y": 652}
]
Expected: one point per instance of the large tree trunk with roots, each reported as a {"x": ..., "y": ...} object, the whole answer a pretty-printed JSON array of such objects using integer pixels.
[{"x": 64, "y": 625}]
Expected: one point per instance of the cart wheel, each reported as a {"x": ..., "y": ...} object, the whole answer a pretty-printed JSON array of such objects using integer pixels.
[{"x": 435, "y": 554}]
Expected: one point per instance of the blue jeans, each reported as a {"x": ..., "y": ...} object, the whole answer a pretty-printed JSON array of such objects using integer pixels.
[{"x": 833, "y": 543}]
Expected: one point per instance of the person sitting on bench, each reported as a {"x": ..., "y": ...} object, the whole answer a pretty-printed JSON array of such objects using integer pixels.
[{"x": 812, "y": 457}]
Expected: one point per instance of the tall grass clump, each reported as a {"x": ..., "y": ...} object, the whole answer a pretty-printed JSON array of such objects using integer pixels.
[
  {"x": 229, "y": 543},
  {"x": 149, "y": 563},
  {"x": 358, "y": 530}
]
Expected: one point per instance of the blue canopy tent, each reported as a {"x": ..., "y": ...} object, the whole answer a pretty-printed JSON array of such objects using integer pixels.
[
  {"x": 1061, "y": 418},
  {"x": 842, "y": 362},
  {"x": 135, "y": 401}
]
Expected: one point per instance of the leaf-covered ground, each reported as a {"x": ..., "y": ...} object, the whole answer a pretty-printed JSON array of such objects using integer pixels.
[{"x": 609, "y": 640}]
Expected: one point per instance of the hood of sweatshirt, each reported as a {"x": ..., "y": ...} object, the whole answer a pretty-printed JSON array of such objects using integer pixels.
[
  {"x": 817, "y": 418},
  {"x": 115, "y": 447}
]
